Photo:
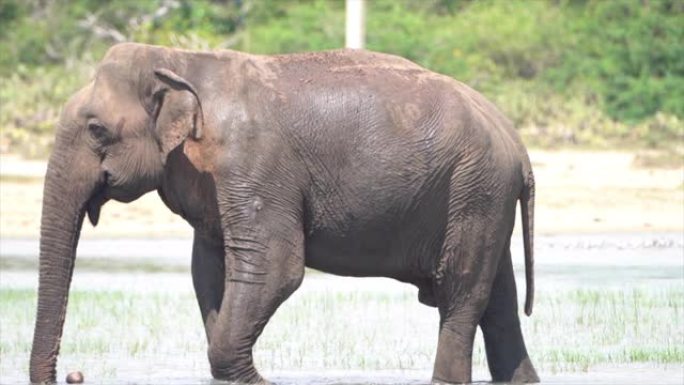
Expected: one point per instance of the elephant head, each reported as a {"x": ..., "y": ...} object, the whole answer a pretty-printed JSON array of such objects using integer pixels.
[{"x": 112, "y": 141}]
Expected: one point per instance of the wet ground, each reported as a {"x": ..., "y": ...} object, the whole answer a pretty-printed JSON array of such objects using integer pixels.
[{"x": 646, "y": 268}]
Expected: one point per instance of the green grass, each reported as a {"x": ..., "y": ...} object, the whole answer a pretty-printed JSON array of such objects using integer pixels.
[
  {"x": 570, "y": 331},
  {"x": 576, "y": 329}
]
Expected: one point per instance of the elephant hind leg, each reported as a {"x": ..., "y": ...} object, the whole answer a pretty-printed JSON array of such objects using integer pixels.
[
  {"x": 506, "y": 352},
  {"x": 462, "y": 285}
]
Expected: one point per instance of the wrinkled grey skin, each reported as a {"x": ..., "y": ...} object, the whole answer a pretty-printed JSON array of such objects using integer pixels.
[{"x": 350, "y": 162}]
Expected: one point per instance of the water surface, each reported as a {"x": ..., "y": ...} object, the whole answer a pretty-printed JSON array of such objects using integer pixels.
[{"x": 369, "y": 323}]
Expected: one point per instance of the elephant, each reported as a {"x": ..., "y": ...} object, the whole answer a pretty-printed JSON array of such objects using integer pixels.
[{"x": 347, "y": 161}]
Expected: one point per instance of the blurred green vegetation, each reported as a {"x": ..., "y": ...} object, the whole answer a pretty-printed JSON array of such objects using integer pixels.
[{"x": 588, "y": 73}]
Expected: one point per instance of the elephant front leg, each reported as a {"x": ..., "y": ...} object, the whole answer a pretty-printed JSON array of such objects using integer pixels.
[
  {"x": 208, "y": 274},
  {"x": 263, "y": 267}
]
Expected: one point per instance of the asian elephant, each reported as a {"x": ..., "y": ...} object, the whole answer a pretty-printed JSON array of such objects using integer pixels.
[{"x": 347, "y": 161}]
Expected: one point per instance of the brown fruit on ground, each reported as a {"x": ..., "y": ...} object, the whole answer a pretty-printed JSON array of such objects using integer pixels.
[{"x": 74, "y": 378}]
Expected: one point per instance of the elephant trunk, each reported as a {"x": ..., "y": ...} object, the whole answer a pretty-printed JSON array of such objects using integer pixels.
[{"x": 66, "y": 193}]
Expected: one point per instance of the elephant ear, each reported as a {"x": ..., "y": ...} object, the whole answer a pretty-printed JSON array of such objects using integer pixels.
[{"x": 178, "y": 111}]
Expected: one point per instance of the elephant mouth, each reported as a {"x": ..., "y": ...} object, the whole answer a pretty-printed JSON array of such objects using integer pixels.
[{"x": 97, "y": 200}]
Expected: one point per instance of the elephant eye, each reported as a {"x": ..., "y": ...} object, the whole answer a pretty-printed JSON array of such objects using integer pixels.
[{"x": 98, "y": 131}]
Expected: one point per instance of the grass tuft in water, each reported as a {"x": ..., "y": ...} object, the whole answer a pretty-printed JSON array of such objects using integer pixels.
[{"x": 339, "y": 328}]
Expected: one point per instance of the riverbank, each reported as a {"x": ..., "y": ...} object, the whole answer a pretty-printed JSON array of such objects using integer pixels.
[{"x": 577, "y": 192}]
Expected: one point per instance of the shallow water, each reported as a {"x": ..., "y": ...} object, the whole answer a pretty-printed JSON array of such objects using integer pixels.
[{"x": 617, "y": 263}]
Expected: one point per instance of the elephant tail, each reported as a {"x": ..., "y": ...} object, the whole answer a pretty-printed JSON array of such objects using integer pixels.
[{"x": 527, "y": 212}]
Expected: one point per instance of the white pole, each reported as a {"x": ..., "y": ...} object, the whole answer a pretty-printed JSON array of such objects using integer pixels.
[{"x": 355, "y": 10}]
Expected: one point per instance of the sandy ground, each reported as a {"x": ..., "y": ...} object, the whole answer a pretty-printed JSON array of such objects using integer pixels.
[{"x": 577, "y": 192}]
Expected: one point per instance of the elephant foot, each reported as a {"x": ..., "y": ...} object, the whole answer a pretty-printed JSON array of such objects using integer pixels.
[
  {"x": 217, "y": 381},
  {"x": 238, "y": 375},
  {"x": 231, "y": 379},
  {"x": 525, "y": 373},
  {"x": 436, "y": 381}
]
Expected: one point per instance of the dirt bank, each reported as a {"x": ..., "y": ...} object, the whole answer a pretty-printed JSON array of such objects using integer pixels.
[{"x": 577, "y": 192}]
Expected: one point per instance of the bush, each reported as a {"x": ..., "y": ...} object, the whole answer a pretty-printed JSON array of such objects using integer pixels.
[
  {"x": 631, "y": 51},
  {"x": 305, "y": 26}
]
